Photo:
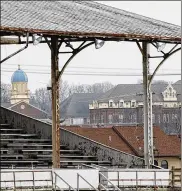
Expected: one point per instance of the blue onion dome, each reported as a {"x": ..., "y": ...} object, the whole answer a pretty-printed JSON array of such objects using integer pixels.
[{"x": 19, "y": 76}]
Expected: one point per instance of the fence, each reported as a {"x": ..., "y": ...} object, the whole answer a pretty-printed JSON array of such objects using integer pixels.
[
  {"x": 89, "y": 178},
  {"x": 138, "y": 178},
  {"x": 175, "y": 177},
  {"x": 68, "y": 179}
]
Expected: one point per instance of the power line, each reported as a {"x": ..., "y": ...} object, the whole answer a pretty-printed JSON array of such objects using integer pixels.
[
  {"x": 82, "y": 67},
  {"x": 97, "y": 74}
]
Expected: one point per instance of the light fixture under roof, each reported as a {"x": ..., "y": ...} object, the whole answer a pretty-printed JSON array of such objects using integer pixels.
[
  {"x": 99, "y": 43},
  {"x": 68, "y": 44},
  {"x": 36, "y": 39},
  {"x": 160, "y": 46}
]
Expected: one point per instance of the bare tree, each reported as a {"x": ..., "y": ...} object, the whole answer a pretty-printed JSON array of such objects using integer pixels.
[
  {"x": 140, "y": 81},
  {"x": 5, "y": 92}
]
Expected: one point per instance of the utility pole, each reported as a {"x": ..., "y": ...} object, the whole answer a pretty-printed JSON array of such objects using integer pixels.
[
  {"x": 55, "y": 102},
  {"x": 148, "y": 125}
]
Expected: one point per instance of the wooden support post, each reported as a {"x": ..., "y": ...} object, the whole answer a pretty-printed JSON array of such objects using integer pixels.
[{"x": 55, "y": 103}]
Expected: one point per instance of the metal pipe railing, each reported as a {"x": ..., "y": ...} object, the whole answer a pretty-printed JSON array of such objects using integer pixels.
[
  {"x": 78, "y": 175},
  {"x": 56, "y": 175},
  {"x": 110, "y": 182}
]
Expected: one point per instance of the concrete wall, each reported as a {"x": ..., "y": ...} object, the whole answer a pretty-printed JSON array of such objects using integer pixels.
[
  {"x": 71, "y": 139},
  {"x": 30, "y": 125},
  {"x": 103, "y": 152}
]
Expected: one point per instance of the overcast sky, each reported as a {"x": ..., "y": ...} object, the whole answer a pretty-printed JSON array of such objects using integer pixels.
[{"x": 119, "y": 57}]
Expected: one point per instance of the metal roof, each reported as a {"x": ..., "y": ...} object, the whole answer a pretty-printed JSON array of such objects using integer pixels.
[{"x": 83, "y": 19}]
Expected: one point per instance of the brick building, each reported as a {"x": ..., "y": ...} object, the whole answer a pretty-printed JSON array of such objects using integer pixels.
[{"x": 124, "y": 105}]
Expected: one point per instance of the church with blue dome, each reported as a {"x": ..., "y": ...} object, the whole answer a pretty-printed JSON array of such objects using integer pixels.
[
  {"x": 19, "y": 76},
  {"x": 20, "y": 92}
]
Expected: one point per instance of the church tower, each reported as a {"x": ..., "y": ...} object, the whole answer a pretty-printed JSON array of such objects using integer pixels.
[{"x": 19, "y": 92}]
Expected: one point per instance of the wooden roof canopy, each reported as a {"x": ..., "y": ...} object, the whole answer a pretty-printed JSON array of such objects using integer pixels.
[{"x": 82, "y": 20}]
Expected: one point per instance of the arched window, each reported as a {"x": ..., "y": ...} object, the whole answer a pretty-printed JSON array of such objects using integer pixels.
[
  {"x": 164, "y": 164},
  {"x": 166, "y": 94}
]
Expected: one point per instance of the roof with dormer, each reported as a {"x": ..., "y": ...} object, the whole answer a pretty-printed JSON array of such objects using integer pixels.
[{"x": 128, "y": 92}]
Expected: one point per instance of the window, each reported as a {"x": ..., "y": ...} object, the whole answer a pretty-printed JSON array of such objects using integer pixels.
[
  {"x": 132, "y": 104},
  {"x": 167, "y": 118},
  {"x": 94, "y": 118},
  {"x": 120, "y": 118},
  {"x": 110, "y": 118},
  {"x": 166, "y": 94},
  {"x": 121, "y": 104},
  {"x": 173, "y": 94},
  {"x": 111, "y": 104},
  {"x": 164, "y": 164},
  {"x": 102, "y": 118},
  {"x": 134, "y": 118},
  {"x": 159, "y": 118},
  {"x": 164, "y": 118},
  {"x": 175, "y": 105}
]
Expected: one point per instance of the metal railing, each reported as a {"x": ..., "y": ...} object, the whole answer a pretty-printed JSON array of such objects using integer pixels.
[
  {"x": 16, "y": 183},
  {"x": 114, "y": 186},
  {"x": 78, "y": 175},
  {"x": 29, "y": 182},
  {"x": 69, "y": 186},
  {"x": 136, "y": 182}
]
